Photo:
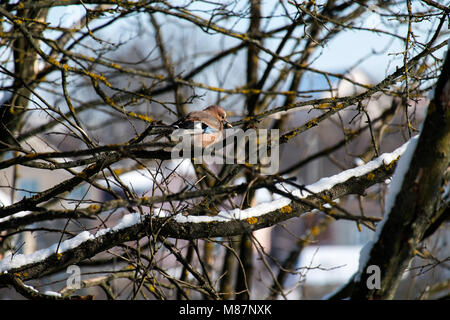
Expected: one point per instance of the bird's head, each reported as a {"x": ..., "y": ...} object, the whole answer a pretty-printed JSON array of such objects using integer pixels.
[{"x": 220, "y": 114}]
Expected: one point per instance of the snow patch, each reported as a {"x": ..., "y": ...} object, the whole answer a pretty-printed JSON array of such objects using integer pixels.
[
  {"x": 52, "y": 294},
  {"x": 399, "y": 174},
  {"x": 19, "y": 260}
]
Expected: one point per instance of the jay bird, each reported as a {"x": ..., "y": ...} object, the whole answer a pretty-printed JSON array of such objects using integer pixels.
[{"x": 211, "y": 121}]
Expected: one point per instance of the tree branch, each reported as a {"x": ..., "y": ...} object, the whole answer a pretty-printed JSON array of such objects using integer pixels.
[{"x": 226, "y": 223}]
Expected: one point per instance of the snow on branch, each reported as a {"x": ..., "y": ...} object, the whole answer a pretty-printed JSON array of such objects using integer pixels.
[
  {"x": 18, "y": 260},
  {"x": 394, "y": 188},
  {"x": 228, "y": 222},
  {"x": 315, "y": 188}
]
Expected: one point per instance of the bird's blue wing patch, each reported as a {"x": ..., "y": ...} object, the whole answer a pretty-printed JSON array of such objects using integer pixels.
[{"x": 209, "y": 130}]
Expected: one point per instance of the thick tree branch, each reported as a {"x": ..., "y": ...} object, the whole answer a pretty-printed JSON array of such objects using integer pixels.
[{"x": 417, "y": 201}]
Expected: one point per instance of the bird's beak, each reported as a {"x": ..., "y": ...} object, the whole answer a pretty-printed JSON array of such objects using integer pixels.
[{"x": 226, "y": 124}]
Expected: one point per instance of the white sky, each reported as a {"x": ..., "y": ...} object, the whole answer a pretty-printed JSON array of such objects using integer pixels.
[
  {"x": 342, "y": 52},
  {"x": 336, "y": 56}
]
